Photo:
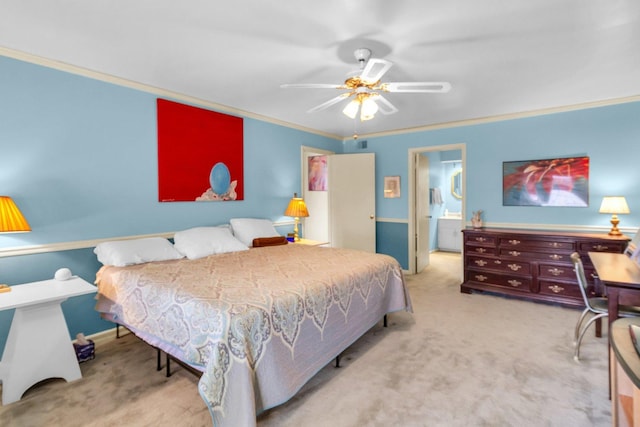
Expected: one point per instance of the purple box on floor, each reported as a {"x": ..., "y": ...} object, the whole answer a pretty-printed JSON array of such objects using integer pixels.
[{"x": 85, "y": 352}]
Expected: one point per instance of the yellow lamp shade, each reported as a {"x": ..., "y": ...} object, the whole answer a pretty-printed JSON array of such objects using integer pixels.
[
  {"x": 11, "y": 219},
  {"x": 297, "y": 207}
]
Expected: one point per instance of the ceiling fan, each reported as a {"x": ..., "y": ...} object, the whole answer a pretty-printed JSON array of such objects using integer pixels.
[{"x": 364, "y": 87}]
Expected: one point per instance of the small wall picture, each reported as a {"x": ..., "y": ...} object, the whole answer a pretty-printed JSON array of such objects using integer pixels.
[{"x": 391, "y": 187}]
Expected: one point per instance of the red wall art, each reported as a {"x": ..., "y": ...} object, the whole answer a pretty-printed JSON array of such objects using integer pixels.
[
  {"x": 200, "y": 154},
  {"x": 548, "y": 182}
]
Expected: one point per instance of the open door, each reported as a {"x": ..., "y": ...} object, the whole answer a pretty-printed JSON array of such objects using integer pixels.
[
  {"x": 423, "y": 216},
  {"x": 352, "y": 201}
]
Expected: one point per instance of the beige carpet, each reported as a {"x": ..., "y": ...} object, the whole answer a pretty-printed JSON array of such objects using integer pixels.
[{"x": 458, "y": 360}]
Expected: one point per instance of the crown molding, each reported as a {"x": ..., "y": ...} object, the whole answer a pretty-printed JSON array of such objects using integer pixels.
[
  {"x": 107, "y": 78},
  {"x": 73, "y": 69}
]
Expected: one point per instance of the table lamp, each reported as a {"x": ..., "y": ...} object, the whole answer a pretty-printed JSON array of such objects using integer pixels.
[
  {"x": 297, "y": 208},
  {"x": 11, "y": 219},
  {"x": 614, "y": 205}
]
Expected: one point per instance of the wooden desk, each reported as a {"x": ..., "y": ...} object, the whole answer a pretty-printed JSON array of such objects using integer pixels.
[{"x": 621, "y": 278}]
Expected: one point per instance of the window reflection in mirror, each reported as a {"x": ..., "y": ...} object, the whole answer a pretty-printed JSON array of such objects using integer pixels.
[{"x": 456, "y": 184}]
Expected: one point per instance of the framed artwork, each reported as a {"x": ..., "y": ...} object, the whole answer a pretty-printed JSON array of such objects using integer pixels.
[
  {"x": 562, "y": 182},
  {"x": 200, "y": 154},
  {"x": 391, "y": 187},
  {"x": 317, "y": 173}
]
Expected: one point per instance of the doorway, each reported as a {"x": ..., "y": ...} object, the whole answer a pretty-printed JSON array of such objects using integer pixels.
[
  {"x": 421, "y": 224},
  {"x": 334, "y": 217}
]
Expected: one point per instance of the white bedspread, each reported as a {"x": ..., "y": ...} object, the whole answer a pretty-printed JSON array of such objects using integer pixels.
[{"x": 258, "y": 323}]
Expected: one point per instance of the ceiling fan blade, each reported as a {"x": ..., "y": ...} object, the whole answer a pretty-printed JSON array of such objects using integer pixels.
[
  {"x": 312, "y": 86},
  {"x": 329, "y": 103},
  {"x": 416, "y": 87},
  {"x": 384, "y": 106},
  {"x": 374, "y": 70}
]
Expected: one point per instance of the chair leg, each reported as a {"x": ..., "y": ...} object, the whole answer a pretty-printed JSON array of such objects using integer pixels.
[
  {"x": 580, "y": 320},
  {"x": 576, "y": 355}
]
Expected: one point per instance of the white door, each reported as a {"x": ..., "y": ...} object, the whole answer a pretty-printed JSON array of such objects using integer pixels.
[
  {"x": 422, "y": 212},
  {"x": 352, "y": 201}
]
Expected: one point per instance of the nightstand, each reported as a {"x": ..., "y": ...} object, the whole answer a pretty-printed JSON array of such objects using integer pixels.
[
  {"x": 38, "y": 346},
  {"x": 309, "y": 242}
]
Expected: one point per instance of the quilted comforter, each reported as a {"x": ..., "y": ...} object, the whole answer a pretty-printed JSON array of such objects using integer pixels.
[{"x": 259, "y": 323}]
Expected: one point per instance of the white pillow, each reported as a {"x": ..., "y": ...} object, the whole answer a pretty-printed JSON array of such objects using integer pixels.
[
  {"x": 135, "y": 251},
  {"x": 199, "y": 242},
  {"x": 247, "y": 229}
]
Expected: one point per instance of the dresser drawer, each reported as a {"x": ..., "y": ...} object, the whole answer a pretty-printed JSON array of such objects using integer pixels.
[
  {"x": 517, "y": 283},
  {"x": 479, "y": 250},
  {"x": 616, "y": 247},
  {"x": 556, "y": 256},
  {"x": 515, "y": 242},
  {"x": 557, "y": 288},
  {"x": 557, "y": 271},
  {"x": 509, "y": 266},
  {"x": 479, "y": 239}
]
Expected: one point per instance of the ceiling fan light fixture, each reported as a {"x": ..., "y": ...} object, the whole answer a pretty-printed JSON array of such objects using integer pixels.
[
  {"x": 368, "y": 110},
  {"x": 352, "y": 108},
  {"x": 363, "y": 86}
]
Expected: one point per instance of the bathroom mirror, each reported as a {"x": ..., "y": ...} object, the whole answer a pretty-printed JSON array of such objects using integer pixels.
[{"x": 456, "y": 184}]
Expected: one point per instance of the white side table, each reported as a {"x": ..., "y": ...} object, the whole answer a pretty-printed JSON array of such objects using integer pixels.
[{"x": 38, "y": 346}]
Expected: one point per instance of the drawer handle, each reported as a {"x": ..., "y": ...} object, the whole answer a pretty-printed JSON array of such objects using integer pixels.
[
  {"x": 554, "y": 244},
  {"x": 514, "y": 253},
  {"x": 556, "y": 257},
  {"x": 481, "y": 262},
  {"x": 481, "y": 239},
  {"x": 497, "y": 262},
  {"x": 515, "y": 283},
  {"x": 514, "y": 267},
  {"x": 556, "y": 289},
  {"x": 481, "y": 278},
  {"x": 555, "y": 271},
  {"x": 514, "y": 242},
  {"x": 600, "y": 247},
  {"x": 481, "y": 250}
]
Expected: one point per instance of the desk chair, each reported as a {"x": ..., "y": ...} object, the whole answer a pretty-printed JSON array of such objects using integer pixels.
[{"x": 596, "y": 305}]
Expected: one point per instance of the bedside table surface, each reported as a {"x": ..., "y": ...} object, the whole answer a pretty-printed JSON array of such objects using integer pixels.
[
  {"x": 311, "y": 242},
  {"x": 45, "y": 291}
]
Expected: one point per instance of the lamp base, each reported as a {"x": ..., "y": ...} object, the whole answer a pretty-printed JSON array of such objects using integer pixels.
[
  {"x": 296, "y": 237},
  {"x": 614, "y": 230}
]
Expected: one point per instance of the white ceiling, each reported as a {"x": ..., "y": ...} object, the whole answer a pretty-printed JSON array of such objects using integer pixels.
[{"x": 501, "y": 56}]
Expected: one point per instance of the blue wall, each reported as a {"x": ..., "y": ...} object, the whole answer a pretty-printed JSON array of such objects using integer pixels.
[
  {"x": 609, "y": 135},
  {"x": 79, "y": 157}
]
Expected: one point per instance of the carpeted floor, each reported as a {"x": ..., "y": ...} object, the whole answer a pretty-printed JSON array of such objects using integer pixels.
[{"x": 458, "y": 360}]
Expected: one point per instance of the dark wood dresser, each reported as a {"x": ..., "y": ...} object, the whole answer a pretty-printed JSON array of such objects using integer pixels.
[{"x": 531, "y": 264}]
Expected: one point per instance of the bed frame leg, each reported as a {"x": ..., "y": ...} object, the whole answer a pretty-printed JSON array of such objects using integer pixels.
[
  {"x": 384, "y": 320},
  {"x": 117, "y": 330},
  {"x": 158, "y": 365},
  {"x": 337, "y": 361},
  {"x": 168, "y": 365}
]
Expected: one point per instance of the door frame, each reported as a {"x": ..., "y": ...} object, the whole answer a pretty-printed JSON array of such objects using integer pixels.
[
  {"x": 305, "y": 152},
  {"x": 411, "y": 241}
]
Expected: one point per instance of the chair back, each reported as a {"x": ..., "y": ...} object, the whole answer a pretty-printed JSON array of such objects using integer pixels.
[{"x": 582, "y": 279}]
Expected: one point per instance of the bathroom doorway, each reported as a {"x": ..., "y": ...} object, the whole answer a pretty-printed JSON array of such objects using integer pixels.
[{"x": 429, "y": 196}]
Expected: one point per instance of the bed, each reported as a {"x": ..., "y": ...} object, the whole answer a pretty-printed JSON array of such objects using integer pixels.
[{"x": 258, "y": 323}]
